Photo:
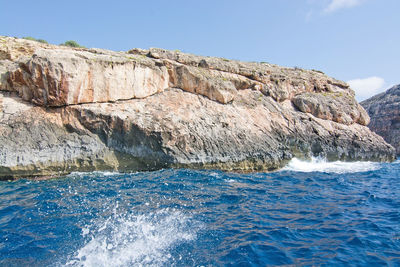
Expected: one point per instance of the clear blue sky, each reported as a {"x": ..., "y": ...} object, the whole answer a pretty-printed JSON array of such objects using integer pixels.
[{"x": 347, "y": 39}]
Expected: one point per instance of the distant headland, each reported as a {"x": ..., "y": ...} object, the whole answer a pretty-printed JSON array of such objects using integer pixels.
[{"x": 384, "y": 110}]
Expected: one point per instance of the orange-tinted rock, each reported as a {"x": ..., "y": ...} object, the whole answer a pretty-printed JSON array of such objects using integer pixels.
[
  {"x": 58, "y": 77},
  {"x": 339, "y": 107}
]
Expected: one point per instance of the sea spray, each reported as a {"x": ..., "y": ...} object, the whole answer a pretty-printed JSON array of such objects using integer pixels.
[
  {"x": 128, "y": 239},
  {"x": 322, "y": 165}
]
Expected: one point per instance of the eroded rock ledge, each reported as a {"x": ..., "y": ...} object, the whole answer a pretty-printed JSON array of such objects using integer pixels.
[{"x": 68, "y": 109}]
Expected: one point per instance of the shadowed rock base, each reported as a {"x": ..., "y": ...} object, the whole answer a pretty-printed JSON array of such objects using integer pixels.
[{"x": 173, "y": 129}]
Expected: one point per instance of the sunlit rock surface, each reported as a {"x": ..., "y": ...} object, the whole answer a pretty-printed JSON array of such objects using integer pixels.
[{"x": 76, "y": 109}]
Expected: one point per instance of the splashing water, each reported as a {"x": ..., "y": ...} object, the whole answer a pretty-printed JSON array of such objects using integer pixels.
[
  {"x": 322, "y": 165},
  {"x": 133, "y": 240}
]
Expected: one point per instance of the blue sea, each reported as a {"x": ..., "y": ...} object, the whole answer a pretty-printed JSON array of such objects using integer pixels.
[{"x": 310, "y": 213}]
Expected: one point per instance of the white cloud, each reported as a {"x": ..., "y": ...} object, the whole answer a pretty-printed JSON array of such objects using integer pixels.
[
  {"x": 339, "y": 4},
  {"x": 367, "y": 87}
]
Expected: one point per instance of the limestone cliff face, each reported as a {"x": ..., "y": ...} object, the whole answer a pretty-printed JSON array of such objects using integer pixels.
[
  {"x": 384, "y": 110},
  {"x": 66, "y": 109}
]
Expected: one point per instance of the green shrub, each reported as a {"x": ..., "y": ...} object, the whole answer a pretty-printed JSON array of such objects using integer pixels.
[
  {"x": 72, "y": 43},
  {"x": 42, "y": 41},
  {"x": 318, "y": 71},
  {"x": 34, "y": 39},
  {"x": 29, "y": 38}
]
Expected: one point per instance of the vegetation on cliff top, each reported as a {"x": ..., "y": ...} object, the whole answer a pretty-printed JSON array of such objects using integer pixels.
[
  {"x": 34, "y": 39},
  {"x": 72, "y": 43}
]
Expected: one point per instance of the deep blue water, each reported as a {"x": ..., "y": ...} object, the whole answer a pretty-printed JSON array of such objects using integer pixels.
[{"x": 308, "y": 214}]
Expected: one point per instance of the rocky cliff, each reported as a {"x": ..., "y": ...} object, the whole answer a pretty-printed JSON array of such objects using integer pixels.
[
  {"x": 384, "y": 110},
  {"x": 75, "y": 109}
]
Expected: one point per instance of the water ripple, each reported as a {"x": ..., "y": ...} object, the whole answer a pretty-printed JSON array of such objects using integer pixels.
[{"x": 319, "y": 214}]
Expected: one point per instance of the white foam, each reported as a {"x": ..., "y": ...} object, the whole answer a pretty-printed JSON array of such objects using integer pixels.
[
  {"x": 322, "y": 165},
  {"x": 215, "y": 175},
  {"x": 93, "y": 173},
  {"x": 134, "y": 240}
]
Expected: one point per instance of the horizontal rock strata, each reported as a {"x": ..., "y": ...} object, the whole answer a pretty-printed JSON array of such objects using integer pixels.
[{"x": 72, "y": 109}]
